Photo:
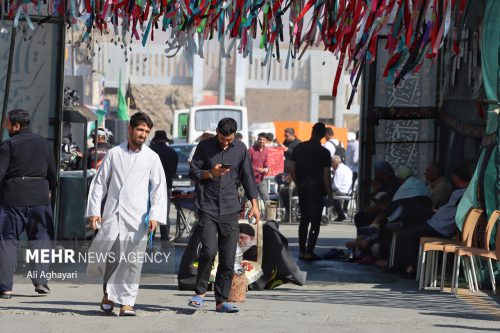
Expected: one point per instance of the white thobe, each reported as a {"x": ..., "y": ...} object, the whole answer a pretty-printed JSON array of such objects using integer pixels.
[
  {"x": 127, "y": 179},
  {"x": 342, "y": 179}
]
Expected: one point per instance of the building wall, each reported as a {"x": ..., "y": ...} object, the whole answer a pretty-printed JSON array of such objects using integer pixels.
[{"x": 266, "y": 105}]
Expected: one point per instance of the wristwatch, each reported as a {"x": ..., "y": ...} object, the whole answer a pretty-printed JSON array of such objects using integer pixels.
[{"x": 210, "y": 174}]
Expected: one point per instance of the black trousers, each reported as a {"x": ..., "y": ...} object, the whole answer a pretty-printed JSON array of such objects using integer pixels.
[
  {"x": 165, "y": 229},
  {"x": 217, "y": 233},
  {"x": 311, "y": 207},
  {"x": 39, "y": 226},
  {"x": 337, "y": 204},
  {"x": 408, "y": 242}
]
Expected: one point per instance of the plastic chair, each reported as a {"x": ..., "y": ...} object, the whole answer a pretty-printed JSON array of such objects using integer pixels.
[
  {"x": 480, "y": 252},
  {"x": 427, "y": 269}
]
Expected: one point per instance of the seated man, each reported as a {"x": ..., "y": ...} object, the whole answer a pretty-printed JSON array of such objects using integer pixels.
[
  {"x": 410, "y": 206},
  {"x": 442, "y": 224},
  {"x": 367, "y": 235},
  {"x": 438, "y": 185},
  {"x": 247, "y": 242},
  {"x": 341, "y": 185}
]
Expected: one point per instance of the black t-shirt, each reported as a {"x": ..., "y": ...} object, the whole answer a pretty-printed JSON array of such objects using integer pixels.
[
  {"x": 169, "y": 160},
  {"x": 310, "y": 159},
  {"x": 288, "y": 154}
]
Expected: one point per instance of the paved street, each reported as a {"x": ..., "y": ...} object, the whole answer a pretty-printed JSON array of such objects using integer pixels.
[{"x": 339, "y": 297}]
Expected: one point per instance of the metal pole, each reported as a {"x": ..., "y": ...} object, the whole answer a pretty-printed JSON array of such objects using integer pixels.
[
  {"x": 9, "y": 74},
  {"x": 96, "y": 143},
  {"x": 222, "y": 78},
  {"x": 85, "y": 157}
]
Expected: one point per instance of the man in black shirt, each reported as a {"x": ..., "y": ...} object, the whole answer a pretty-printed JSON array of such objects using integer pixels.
[
  {"x": 169, "y": 159},
  {"x": 311, "y": 172},
  {"x": 27, "y": 177},
  {"x": 219, "y": 164},
  {"x": 289, "y": 145}
]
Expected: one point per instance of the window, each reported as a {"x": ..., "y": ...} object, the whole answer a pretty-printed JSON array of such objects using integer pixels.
[{"x": 209, "y": 118}]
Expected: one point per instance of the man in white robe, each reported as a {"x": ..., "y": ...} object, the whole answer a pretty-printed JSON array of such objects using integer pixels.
[{"x": 132, "y": 183}]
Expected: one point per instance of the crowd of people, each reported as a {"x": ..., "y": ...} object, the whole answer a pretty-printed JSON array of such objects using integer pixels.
[
  {"x": 412, "y": 208},
  {"x": 128, "y": 199}
]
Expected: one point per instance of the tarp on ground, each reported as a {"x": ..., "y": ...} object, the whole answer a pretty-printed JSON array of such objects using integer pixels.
[{"x": 278, "y": 263}]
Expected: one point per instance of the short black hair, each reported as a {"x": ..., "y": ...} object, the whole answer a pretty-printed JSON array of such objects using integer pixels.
[
  {"x": 319, "y": 130},
  {"x": 329, "y": 131},
  {"x": 160, "y": 137},
  {"x": 227, "y": 126},
  {"x": 270, "y": 136},
  {"x": 19, "y": 116},
  {"x": 238, "y": 136},
  {"x": 262, "y": 135},
  {"x": 140, "y": 118},
  {"x": 290, "y": 131},
  {"x": 465, "y": 170}
]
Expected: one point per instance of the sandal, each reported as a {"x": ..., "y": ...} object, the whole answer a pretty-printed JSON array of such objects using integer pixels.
[
  {"x": 196, "y": 302},
  {"x": 5, "y": 294},
  {"x": 42, "y": 289},
  {"x": 127, "y": 311},
  {"x": 227, "y": 308},
  {"x": 106, "y": 304}
]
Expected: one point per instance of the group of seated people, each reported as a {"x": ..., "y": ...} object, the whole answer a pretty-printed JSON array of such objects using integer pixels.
[{"x": 414, "y": 209}]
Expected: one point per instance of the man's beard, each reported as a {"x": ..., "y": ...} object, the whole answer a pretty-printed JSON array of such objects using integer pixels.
[{"x": 138, "y": 143}]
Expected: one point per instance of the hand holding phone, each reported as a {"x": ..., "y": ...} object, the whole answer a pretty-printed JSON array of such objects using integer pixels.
[{"x": 226, "y": 166}]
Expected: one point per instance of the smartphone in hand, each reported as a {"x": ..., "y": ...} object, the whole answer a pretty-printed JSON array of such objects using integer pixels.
[{"x": 225, "y": 166}]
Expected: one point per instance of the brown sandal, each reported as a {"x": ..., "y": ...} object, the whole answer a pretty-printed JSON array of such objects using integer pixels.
[
  {"x": 106, "y": 304},
  {"x": 127, "y": 310}
]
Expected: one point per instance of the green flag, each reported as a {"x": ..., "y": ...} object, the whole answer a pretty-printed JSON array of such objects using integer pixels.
[
  {"x": 100, "y": 117},
  {"x": 122, "y": 103}
]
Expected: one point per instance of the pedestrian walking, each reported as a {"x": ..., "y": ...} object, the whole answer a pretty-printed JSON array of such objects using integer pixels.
[
  {"x": 27, "y": 177},
  {"x": 132, "y": 179},
  {"x": 219, "y": 164},
  {"x": 310, "y": 170},
  {"x": 169, "y": 160}
]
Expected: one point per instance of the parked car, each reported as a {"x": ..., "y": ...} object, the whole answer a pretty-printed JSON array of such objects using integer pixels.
[{"x": 182, "y": 179}]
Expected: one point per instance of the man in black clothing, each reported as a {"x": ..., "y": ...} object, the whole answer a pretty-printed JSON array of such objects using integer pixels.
[
  {"x": 311, "y": 172},
  {"x": 384, "y": 178},
  {"x": 27, "y": 177},
  {"x": 169, "y": 159},
  {"x": 289, "y": 145},
  {"x": 219, "y": 164}
]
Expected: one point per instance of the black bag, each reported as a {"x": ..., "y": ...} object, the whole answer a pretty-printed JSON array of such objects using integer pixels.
[{"x": 339, "y": 151}]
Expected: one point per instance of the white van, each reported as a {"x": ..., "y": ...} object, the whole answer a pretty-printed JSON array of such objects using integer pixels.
[{"x": 206, "y": 118}]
